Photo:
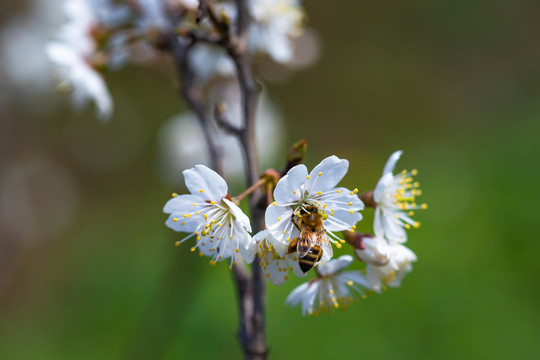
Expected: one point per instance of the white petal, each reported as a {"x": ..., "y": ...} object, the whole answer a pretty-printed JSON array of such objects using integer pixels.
[
  {"x": 288, "y": 187},
  {"x": 181, "y": 203},
  {"x": 391, "y": 162},
  {"x": 309, "y": 297},
  {"x": 327, "y": 174},
  {"x": 334, "y": 266},
  {"x": 276, "y": 269},
  {"x": 296, "y": 296},
  {"x": 242, "y": 218},
  {"x": 278, "y": 222},
  {"x": 356, "y": 277},
  {"x": 202, "y": 178},
  {"x": 260, "y": 236},
  {"x": 342, "y": 220},
  {"x": 383, "y": 183}
]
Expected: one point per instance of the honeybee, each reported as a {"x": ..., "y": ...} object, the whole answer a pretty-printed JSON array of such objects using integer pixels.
[{"x": 313, "y": 241}]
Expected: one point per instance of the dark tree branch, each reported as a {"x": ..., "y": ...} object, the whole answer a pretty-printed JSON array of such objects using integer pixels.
[
  {"x": 224, "y": 122},
  {"x": 250, "y": 287}
]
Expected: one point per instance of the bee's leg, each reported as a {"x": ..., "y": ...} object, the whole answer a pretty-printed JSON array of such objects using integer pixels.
[{"x": 292, "y": 246}]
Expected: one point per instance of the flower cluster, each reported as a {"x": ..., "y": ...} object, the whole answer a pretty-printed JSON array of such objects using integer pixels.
[
  {"x": 394, "y": 199},
  {"x": 303, "y": 222},
  {"x": 101, "y": 35}
]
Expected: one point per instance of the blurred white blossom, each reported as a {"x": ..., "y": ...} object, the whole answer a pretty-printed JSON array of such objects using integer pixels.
[{"x": 182, "y": 143}]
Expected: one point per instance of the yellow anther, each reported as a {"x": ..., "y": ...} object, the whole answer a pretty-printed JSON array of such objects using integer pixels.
[
  {"x": 177, "y": 243},
  {"x": 336, "y": 305},
  {"x": 201, "y": 190},
  {"x": 350, "y": 283},
  {"x": 175, "y": 219},
  {"x": 230, "y": 236},
  {"x": 198, "y": 238},
  {"x": 213, "y": 202},
  {"x": 279, "y": 219},
  {"x": 320, "y": 173},
  {"x": 338, "y": 245},
  {"x": 416, "y": 225},
  {"x": 416, "y": 184},
  {"x": 234, "y": 263},
  {"x": 274, "y": 203},
  {"x": 411, "y": 213},
  {"x": 319, "y": 193},
  {"x": 194, "y": 204},
  {"x": 342, "y": 241},
  {"x": 267, "y": 275},
  {"x": 192, "y": 249},
  {"x": 285, "y": 277},
  {"x": 196, "y": 233},
  {"x": 351, "y": 193},
  {"x": 219, "y": 224},
  {"x": 294, "y": 192},
  {"x": 353, "y": 227},
  {"x": 204, "y": 233},
  {"x": 189, "y": 216},
  {"x": 331, "y": 291},
  {"x": 174, "y": 194},
  {"x": 396, "y": 216},
  {"x": 198, "y": 212},
  {"x": 338, "y": 191},
  {"x": 237, "y": 250},
  {"x": 200, "y": 253},
  {"x": 407, "y": 226},
  {"x": 414, "y": 172},
  {"x": 212, "y": 262},
  {"x": 351, "y": 211},
  {"x": 424, "y": 206},
  {"x": 183, "y": 223},
  {"x": 284, "y": 231},
  {"x": 350, "y": 204},
  {"x": 288, "y": 239},
  {"x": 230, "y": 267},
  {"x": 355, "y": 191}
]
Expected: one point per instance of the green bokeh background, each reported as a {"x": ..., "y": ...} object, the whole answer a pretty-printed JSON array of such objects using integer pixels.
[{"x": 453, "y": 84}]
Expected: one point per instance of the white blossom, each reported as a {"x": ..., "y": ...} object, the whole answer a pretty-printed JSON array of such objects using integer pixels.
[
  {"x": 274, "y": 259},
  {"x": 275, "y": 22},
  {"x": 297, "y": 191},
  {"x": 392, "y": 273},
  {"x": 332, "y": 289},
  {"x": 395, "y": 200},
  {"x": 375, "y": 250},
  {"x": 209, "y": 215},
  {"x": 73, "y": 53}
]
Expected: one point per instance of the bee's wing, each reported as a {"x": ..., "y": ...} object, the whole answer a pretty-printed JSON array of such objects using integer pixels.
[
  {"x": 303, "y": 246},
  {"x": 326, "y": 245}
]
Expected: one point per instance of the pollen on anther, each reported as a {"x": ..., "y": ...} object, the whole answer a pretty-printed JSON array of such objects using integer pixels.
[
  {"x": 320, "y": 173},
  {"x": 350, "y": 283},
  {"x": 237, "y": 250},
  {"x": 351, "y": 211},
  {"x": 202, "y": 190},
  {"x": 274, "y": 203},
  {"x": 350, "y": 204},
  {"x": 279, "y": 219},
  {"x": 192, "y": 249},
  {"x": 267, "y": 275},
  {"x": 177, "y": 243},
  {"x": 294, "y": 192},
  {"x": 353, "y": 227},
  {"x": 175, "y": 219},
  {"x": 338, "y": 191},
  {"x": 230, "y": 236},
  {"x": 183, "y": 223},
  {"x": 284, "y": 231},
  {"x": 319, "y": 193},
  {"x": 424, "y": 206},
  {"x": 355, "y": 191},
  {"x": 174, "y": 194},
  {"x": 307, "y": 177},
  {"x": 194, "y": 204},
  {"x": 212, "y": 202}
]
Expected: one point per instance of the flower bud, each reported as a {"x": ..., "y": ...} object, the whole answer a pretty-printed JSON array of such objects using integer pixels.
[{"x": 370, "y": 249}]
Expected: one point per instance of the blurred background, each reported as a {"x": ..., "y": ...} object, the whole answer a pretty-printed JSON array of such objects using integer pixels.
[{"x": 88, "y": 269}]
